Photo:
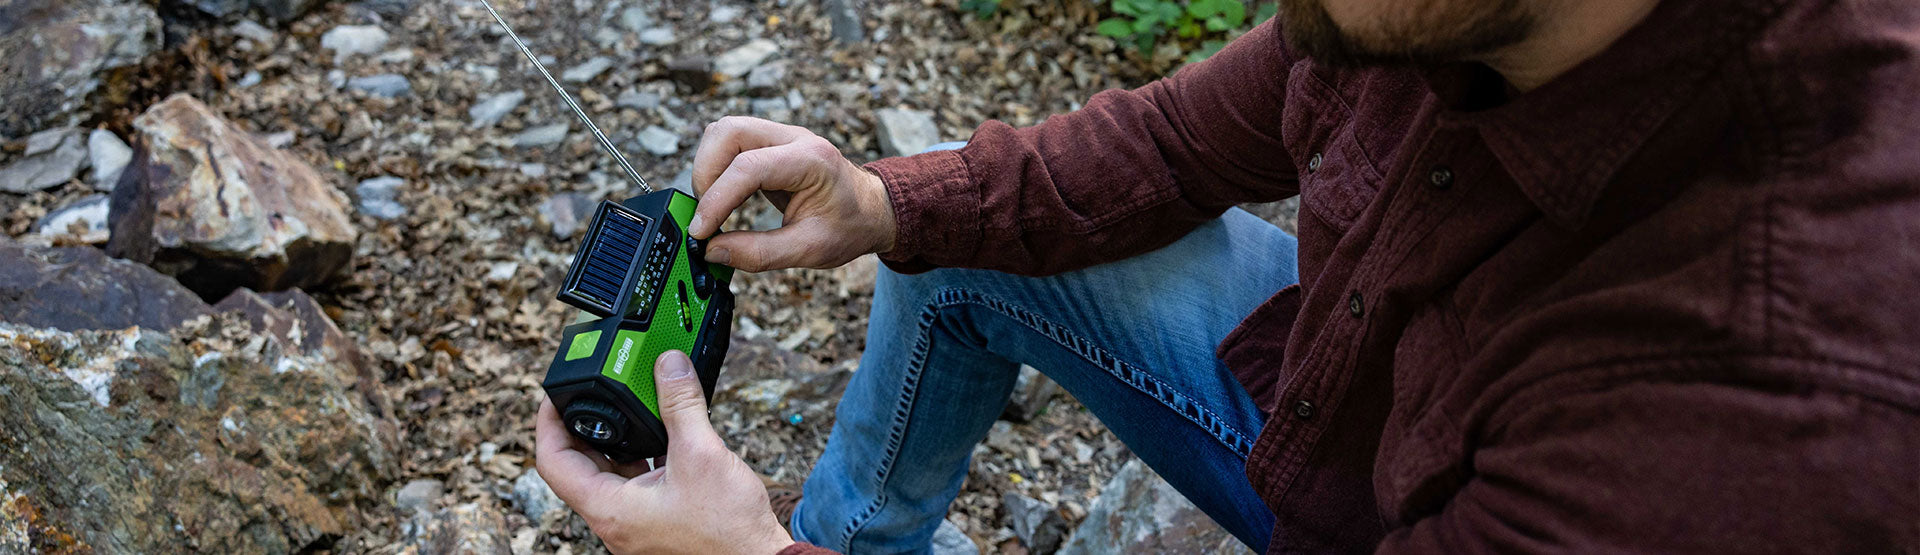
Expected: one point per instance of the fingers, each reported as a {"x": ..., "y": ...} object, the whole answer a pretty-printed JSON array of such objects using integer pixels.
[
  {"x": 575, "y": 475},
  {"x": 683, "y": 406},
  {"x": 796, "y": 245},
  {"x": 782, "y": 167},
  {"x": 730, "y": 136}
]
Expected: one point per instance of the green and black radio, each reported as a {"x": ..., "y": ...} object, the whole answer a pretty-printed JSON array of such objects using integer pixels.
[{"x": 644, "y": 287}]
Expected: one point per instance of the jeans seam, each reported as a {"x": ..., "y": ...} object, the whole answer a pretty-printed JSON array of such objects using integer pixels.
[
  {"x": 896, "y": 433},
  {"x": 1099, "y": 357}
]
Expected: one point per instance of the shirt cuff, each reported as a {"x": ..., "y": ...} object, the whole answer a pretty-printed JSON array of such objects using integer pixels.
[
  {"x": 804, "y": 548},
  {"x": 936, "y": 210}
]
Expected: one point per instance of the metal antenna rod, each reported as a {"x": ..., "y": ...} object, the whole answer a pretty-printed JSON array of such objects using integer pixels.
[{"x": 582, "y": 114}]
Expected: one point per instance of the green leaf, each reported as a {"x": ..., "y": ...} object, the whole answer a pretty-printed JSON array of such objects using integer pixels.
[
  {"x": 1127, "y": 7},
  {"x": 1190, "y": 29},
  {"x": 1202, "y": 9},
  {"x": 1217, "y": 24},
  {"x": 1265, "y": 12},
  {"x": 1145, "y": 23},
  {"x": 1143, "y": 42},
  {"x": 1168, "y": 11},
  {"x": 1234, "y": 12},
  {"x": 1207, "y": 50},
  {"x": 1114, "y": 27}
]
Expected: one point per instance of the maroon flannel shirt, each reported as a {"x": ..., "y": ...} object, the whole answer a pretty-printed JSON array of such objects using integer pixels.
[{"x": 1669, "y": 301}]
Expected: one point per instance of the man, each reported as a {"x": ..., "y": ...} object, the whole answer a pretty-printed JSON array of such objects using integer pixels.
[{"x": 1615, "y": 275}]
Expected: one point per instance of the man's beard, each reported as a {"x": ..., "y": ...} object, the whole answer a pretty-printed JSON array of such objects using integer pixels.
[{"x": 1445, "y": 31}]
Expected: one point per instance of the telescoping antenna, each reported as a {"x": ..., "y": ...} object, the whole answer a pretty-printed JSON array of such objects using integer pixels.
[{"x": 582, "y": 114}]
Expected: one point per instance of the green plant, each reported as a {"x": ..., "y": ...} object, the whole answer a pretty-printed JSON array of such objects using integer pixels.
[
  {"x": 1144, "y": 22},
  {"x": 981, "y": 9}
]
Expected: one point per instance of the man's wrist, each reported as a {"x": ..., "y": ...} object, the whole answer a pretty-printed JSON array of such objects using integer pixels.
[{"x": 878, "y": 206}]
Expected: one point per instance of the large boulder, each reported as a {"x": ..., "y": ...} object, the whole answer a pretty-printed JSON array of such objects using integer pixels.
[
  {"x": 55, "y": 53},
  {"x": 212, "y": 205},
  {"x": 1138, "y": 512},
  {"x": 208, "y": 438},
  {"x": 39, "y": 287}
]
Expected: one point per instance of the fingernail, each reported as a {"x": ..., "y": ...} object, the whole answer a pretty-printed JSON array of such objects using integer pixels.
[
  {"x": 718, "y": 256},
  {"x": 694, "y": 225},
  {"x": 674, "y": 365}
]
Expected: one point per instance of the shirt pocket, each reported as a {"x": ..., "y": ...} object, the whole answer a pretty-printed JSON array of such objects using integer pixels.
[{"x": 1338, "y": 179}]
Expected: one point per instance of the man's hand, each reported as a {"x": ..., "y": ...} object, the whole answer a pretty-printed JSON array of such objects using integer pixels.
[
  {"x": 835, "y": 211},
  {"x": 706, "y": 501}
]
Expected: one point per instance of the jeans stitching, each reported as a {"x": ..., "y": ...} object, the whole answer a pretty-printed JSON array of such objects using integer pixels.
[
  {"x": 1212, "y": 423},
  {"x": 896, "y": 433}
]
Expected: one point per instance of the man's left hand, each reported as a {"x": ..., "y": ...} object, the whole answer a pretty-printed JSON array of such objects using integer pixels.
[{"x": 706, "y": 501}]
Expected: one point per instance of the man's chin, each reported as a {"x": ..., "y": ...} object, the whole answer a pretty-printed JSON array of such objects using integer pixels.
[{"x": 1311, "y": 30}]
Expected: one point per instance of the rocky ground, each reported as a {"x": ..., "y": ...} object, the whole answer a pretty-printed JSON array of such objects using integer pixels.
[{"x": 461, "y": 185}]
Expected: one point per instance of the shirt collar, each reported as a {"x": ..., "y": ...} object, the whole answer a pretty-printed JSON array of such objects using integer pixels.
[{"x": 1564, "y": 141}]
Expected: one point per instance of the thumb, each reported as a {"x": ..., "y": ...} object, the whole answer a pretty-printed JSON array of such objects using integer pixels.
[{"x": 683, "y": 404}]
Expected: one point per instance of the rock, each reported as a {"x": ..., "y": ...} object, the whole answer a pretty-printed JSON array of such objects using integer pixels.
[
  {"x": 214, "y": 207},
  {"x": 906, "y": 132},
  {"x": 286, "y": 10},
  {"x": 725, "y": 14},
  {"x": 771, "y": 108},
  {"x": 1036, "y": 523},
  {"x": 739, "y": 61},
  {"x": 255, "y": 32},
  {"x": 216, "y": 440},
  {"x": 52, "y": 157},
  {"x": 385, "y": 85},
  {"x": 659, "y": 141},
  {"x": 1031, "y": 395},
  {"x": 545, "y": 135},
  {"x": 949, "y": 540},
  {"x": 683, "y": 182},
  {"x": 469, "y": 528},
  {"x": 418, "y": 495},
  {"x": 566, "y": 213},
  {"x": 534, "y": 497},
  {"x": 85, "y": 221},
  {"x": 765, "y": 395},
  {"x": 635, "y": 19},
  {"x": 218, "y": 8},
  {"x": 638, "y": 100},
  {"x": 694, "y": 72},
  {"x": 844, "y": 17},
  {"x": 351, "y": 40},
  {"x": 300, "y": 325},
  {"x": 38, "y": 284},
  {"x": 1002, "y": 437},
  {"x": 588, "y": 70},
  {"x": 489, "y": 111},
  {"x": 767, "y": 78},
  {"x": 57, "y": 53},
  {"x": 1137, "y": 512},
  {"x": 109, "y": 156},
  {"x": 377, "y": 197},
  {"x": 657, "y": 36}
]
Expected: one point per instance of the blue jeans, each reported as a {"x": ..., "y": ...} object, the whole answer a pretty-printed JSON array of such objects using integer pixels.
[{"x": 1132, "y": 340}]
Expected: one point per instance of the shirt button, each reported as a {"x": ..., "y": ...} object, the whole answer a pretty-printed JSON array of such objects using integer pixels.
[
  {"x": 1354, "y": 306},
  {"x": 1303, "y": 410},
  {"x": 1313, "y": 164},
  {"x": 1441, "y": 178}
]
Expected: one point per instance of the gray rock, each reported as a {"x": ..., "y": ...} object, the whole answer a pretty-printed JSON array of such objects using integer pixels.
[
  {"x": 740, "y": 60},
  {"x": 337, "y": 79},
  {"x": 219, "y": 8},
  {"x": 683, "y": 181},
  {"x": 52, "y": 157},
  {"x": 489, "y": 111},
  {"x": 545, "y": 135},
  {"x": 1137, "y": 512},
  {"x": 638, "y": 100},
  {"x": 949, "y": 540},
  {"x": 635, "y": 19},
  {"x": 1031, "y": 395},
  {"x": 696, "y": 72},
  {"x": 251, "y": 78},
  {"x": 794, "y": 100},
  {"x": 566, "y": 213},
  {"x": 469, "y": 528},
  {"x": 658, "y": 36},
  {"x": 255, "y": 32},
  {"x": 725, "y": 14},
  {"x": 109, "y": 156},
  {"x": 534, "y": 497},
  {"x": 906, "y": 132},
  {"x": 771, "y": 108},
  {"x": 659, "y": 141},
  {"x": 385, "y": 85},
  {"x": 244, "y": 435},
  {"x": 418, "y": 495},
  {"x": 237, "y": 213},
  {"x": 37, "y": 286},
  {"x": 767, "y": 77},
  {"x": 1002, "y": 438},
  {"x": 588, "y": 70},
  {"x": 352, "y": 40},
  {"x": 1038, "y": 525},
  {"x": 85, "y": 220},
  {"x": 606, "y": 39},
  {"x": 379, "y": 197},
  {"x": 844, "y": 16},
  {"x": 56, "y": 54}
]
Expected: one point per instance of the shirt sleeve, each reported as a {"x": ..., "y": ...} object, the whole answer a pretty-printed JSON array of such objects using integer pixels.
[
  {"x": 803, "y": 548},
  {"x": 1129, "y": 172},
  {"x": 1685, "y": 467}
]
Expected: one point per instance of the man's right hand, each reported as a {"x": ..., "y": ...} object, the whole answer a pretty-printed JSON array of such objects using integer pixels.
[{"x": 834, "y": 210}]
